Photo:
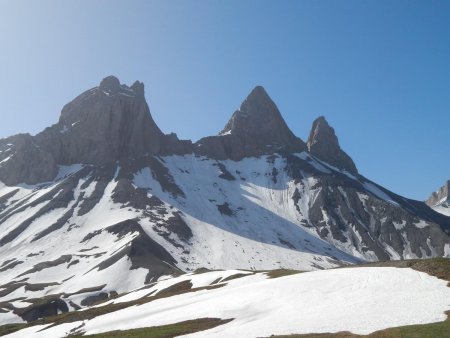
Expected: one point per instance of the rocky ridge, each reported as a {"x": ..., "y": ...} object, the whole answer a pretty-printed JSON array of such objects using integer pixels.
[
  {"x": 323, "y": 144},
  {"x": 440, "y": 200},
  {"x": 440, "y": 196}
]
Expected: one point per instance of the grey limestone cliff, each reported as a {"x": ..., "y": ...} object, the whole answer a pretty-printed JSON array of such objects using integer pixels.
[
  {"x": 255, "y": 129},
  {"x": 323, "y": 143}
]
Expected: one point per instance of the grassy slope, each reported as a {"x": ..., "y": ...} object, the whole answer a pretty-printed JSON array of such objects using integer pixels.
[{"x": 165, "y": 331}]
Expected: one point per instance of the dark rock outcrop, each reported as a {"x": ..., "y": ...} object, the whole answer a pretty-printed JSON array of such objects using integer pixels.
[
  {"x": 257, "y": 128},
  {"x": 42, "y": 309},
  {"x": 142, "y": 251},
  {"x": 22, "y": 160},
  {"x": 323, "y": 143}
]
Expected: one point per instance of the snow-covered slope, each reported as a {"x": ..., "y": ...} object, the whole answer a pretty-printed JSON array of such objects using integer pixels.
[
  {"x": 95, "y": 232},
  {"x": 312, "y": 302},
  {"x": 74, "y": 238}
]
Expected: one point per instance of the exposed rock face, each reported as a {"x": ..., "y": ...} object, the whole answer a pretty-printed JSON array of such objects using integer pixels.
[
  {"x": 259, "y": 116},
  {"x": 440, "y": 196},
  {"x": 359, "y": 214},
  {"x": 323, "y": 143},
  {"x": 22, "y": 160},
  {"x": 255, "y": 129},
  {"x": 440, "y": 200},
  {"x": 112, "y": 122},
  {"x": 102, "y": 125}
]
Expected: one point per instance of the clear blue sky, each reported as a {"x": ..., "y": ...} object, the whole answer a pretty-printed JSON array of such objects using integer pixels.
[{"x": 378, "y": 70}]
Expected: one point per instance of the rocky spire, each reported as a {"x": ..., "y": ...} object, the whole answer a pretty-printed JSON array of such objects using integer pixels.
[
  {"x": 104, "y": 124},
  {"x": 259, "y": 116},
  {"x": 256, "y": 128},
  {"x": 323, "y": 143},
  {"x": 440, "y": 196}
]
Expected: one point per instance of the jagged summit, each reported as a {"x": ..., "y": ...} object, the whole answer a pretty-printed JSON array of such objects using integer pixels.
[
  {"x": 111, "y": 85},
  {"x": 441, "y": 196},
  {"x": 255, "y": 129},
  {"x": 104, "y": 124},
  {"x": 257, "y": 108},
  {"x": 324, "y": 144},
  {"x": 257, "y": 115},
  {"x": 112, "y": 122}
]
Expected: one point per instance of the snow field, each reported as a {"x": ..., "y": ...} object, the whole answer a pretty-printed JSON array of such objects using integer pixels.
[{"x": 359, "y": 300}]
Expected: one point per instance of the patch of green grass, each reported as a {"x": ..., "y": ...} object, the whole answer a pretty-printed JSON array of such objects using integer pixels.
[
  {"x": 318, "y": 335},
  {"x": 236, "y": 276},
  {"x": 200, "y": 271},
  {"x": 10, "y": 328},
  {"x": 282, "y": 273},
  {"x": 434, "y": 330},
  {"x": 165, "y": 331},
  {"x": 217, "y": 280}
]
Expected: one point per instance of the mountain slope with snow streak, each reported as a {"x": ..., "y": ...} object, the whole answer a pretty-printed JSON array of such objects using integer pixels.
[
  {"x": 97, "y": 246},
  {"x": 115, "y": 229}
]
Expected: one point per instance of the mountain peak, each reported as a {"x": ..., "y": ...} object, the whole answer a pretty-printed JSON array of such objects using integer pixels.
[
  {"x": 104, "y": 124},
  {"x": 324, "y": 144},
  {"x": 256, "y": 111},
  {"x": 111, "y": 86},
  {"x": 256, "y": 128},
  {"x": 256, "y": 101},
  {"x": 440, "y": 196},
  {"x": 110, "y": 83},
  {"x": 258, "y": 116}
]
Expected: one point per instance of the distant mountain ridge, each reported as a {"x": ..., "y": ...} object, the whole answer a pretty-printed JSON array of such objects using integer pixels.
[
  {"x": 440, "y": 200},
  {"x": 103, "y": 202}
]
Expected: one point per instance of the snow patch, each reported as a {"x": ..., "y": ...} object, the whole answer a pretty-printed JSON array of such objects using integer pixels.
[
  {"x": 421, "y": 224},
  {"x": 378, "y": 192}
]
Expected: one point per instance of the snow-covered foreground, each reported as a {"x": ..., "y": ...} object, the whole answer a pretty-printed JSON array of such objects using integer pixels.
[{"x": 360, "y": 300}]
